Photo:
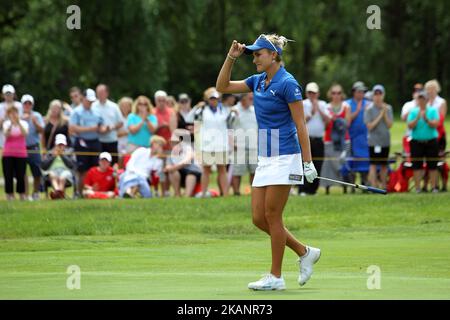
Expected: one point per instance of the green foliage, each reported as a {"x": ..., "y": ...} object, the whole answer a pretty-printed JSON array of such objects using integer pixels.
[{"x": 140, "y": 46}]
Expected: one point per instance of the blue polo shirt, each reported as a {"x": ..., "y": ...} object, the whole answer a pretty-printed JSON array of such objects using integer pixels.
[
  {"x": 277, "y": 133},
  {"x": 86, "y": 118}
]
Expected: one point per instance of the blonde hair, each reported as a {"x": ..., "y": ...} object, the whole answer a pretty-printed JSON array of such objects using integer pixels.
[
  {"x": 277, "y": 41},
  {"x": 146, "y": 100},
  {"x": 173, "y": 102},
  {"x": 158, "y": 140},
  {"x": 125, "y": 100},
  {"x": 61, "y": 119},
  {"x": 433, "y": 84},
  {"x": 334, "y": 86}
]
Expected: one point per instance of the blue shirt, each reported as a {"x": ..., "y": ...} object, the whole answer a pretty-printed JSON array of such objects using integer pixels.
[
  {"x": 33, "y": 136},
  {"x": 423, "y": 131},
  {"x": 142, "y": 137},
  {"x": 86, "y": 118},
  {"x": 277, "y": 132},
  {"x": 358, "y": 126}
]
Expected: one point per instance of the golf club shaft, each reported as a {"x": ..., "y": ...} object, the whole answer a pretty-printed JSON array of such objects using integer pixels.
[{"x": 359, "y": 186}]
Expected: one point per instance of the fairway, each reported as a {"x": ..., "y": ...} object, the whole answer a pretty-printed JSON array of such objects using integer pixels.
[{"x": 208, "y": 249}]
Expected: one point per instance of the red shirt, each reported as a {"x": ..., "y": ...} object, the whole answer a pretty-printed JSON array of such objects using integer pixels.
[
  {"x": 329, "y": 128},
  {"x": 100, "y": 181},
  {"x": 164, "y": 119}
]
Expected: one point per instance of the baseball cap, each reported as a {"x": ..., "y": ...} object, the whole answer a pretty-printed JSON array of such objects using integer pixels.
[
  {"x": 423, "y": 94},
  {"x": 8, "y": 88},
  {"x": 213, "y": 94},
  {"x": 183, "y": 96},
  {"x": 359, "y": 86},
  {"x": 160, "y": 94},
  {"x": 60, "y": 139},
  {"x": 379, "y": 87},
  {"x": 105, "y": 155},
  {"x": 262, "y": 43},
  {"x": 27, "y": 97},
  {"x": 90, "y": 95},
  {"x": 312, "y": 87}
]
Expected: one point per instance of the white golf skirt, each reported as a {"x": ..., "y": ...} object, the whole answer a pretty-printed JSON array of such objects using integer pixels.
[{"x": 279, "y": 170}]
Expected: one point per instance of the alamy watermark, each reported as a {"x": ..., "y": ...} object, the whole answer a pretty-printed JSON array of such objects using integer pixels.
[
  {"x": 374, "y": 279},
  {"x": 73, "y": 281},
  {"x": 73, "y": 21},
  {"x": 374, "y": 20}
]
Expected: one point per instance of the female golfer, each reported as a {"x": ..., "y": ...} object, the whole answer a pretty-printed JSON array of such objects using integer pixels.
[{"x": 279, "y": 112}]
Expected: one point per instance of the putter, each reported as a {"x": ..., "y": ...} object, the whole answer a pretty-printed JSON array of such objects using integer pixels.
[{"x": 358, "y": 186}]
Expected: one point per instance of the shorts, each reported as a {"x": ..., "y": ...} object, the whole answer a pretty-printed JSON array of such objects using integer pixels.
[
  {"x": 185, "y": 172},
  {"x": 249, "y": 164},
  {"x": 381, "y": 158},
  {"x": 279, "y": 170},
  {"x": 34, "y": 160},
  {"x": 211, "y": 158},
  {"x": 428, "y": 149},
  {"x": 89, "y": 160},
  {"x": 61, "y": 173}
]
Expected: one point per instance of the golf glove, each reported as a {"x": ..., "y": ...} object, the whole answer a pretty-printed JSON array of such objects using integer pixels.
[{"x": 310, "y": 171}]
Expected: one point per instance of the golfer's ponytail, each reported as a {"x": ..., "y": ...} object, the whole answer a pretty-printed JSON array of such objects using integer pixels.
[{"x": 278, "y": 41}]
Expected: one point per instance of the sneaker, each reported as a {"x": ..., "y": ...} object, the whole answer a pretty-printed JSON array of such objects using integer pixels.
[
  {"x": 306, "y": 263},
  {"x": 435, "y": 190},
  {"x": 268, "y": 282},
  {"x": 35, "y": 196}
]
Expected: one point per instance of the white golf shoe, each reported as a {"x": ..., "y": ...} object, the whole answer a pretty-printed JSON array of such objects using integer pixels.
[
  {"x": 306, "y": 264},
  {"x": 268, "y": 282}
]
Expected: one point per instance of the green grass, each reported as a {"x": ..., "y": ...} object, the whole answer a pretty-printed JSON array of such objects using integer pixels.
[{"x": 208, "y": 249}]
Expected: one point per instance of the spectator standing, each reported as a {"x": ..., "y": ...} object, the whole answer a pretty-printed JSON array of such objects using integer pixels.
[
  {"x": 246, "y": 142},
  {"x": 112, "y": 120},
  {"x": 378, "y": 118},
  {"x": 358, "y": 133},
  {"x": 336, "y": 138},
  {"x": 55, "y": 123},
  {"x": 213, "y": 140},
  {"x": 125, "y": 106},
  {"x": 141, "y": 124},
  {"x": 86, "y": 124},
  {"x": 433, "y": 89},
  {"x": 9, "y": 94},
  {"x": 35, "y": 130},
  {"x": 423, "y": 121},
  {"x": 14, "y": 158},
  {"x": 317, "y": 118}
]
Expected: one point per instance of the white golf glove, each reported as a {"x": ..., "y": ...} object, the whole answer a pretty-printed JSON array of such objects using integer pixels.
[{"x": 310, "y": 171}]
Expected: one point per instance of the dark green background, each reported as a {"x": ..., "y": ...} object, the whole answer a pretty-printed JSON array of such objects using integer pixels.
[{"x": 139, "y": 46}]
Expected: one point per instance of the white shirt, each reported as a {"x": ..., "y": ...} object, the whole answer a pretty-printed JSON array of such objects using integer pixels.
[
  {"x": 247, "y": 124},
  {"x": 142, "y": 164},
  {"x": 437, "y": 103},
  {"x": 3, "y": 108},
  {"x": 407, "y": 107},
  {"x": 214, "y": 131},
  {"x": 316, "y": 125},
  {"x": 111, "y": 115}
]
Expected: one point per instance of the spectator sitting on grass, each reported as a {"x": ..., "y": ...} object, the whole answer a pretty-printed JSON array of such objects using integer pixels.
[
  {"x": 182, "y": 170},
  {"x": 100, "y": 182},
  {"x": 139, "y": 169},
  {"x": 58, "y": 166}
]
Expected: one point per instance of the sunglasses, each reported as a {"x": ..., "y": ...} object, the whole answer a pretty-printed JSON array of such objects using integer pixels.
[
  {"x": 142, "y": 104},
  {"x": 310, "y": 92},
  {"x": 334, "y": 93},
  {"x": 376, "y": 93},
  {"x": 184, "y": 101}
]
